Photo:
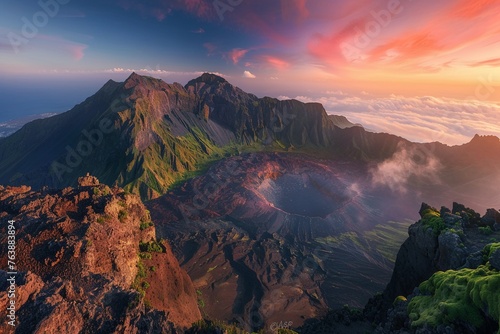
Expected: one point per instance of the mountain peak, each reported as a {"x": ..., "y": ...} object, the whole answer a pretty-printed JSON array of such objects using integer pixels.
[
  {"x": 485, "y": 139},
  {"x": 208, "y": 78},
  {"x": 133, "y": 80}
]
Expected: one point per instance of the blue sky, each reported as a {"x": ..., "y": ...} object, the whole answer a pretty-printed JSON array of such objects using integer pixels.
[{"x": 313, "y": 50}]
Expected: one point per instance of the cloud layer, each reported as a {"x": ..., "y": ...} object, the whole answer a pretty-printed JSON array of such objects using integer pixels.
[{"x": 419, "y": 119}]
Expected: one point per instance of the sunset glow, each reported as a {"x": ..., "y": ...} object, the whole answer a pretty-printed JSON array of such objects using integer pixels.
[{"x": 445, "y": 49}]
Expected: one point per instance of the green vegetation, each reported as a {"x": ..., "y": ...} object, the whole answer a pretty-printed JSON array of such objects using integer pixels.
[
  {"x": 145, "y": 256},
  {"x": 145, "y": 225},
  {"x": 489, "y": 249},
  {"x": 122, "y": 216},
  {"x": 211, "y": 269},
  {"x": 458, "y": 295},
  {"x": 348, "y": 237},
  {"x": 150, "y": 247},
  {"x": 387, "y": 238},
  {"x": 139, "y": 284},
  {"x": 486, "y": 230},
  {"x": 399, "y": 299},
  {"x": 201, "y": 302},
  {"x": 432, "y": 219}
]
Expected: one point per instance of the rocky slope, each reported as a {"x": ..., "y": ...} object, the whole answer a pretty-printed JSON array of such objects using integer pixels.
[
  {"x": 280, "y": 237},
  {"x": 144, "y": 133},
  {"x": 85, "y": 259},
  {"x": 445, "y": 280},
  {"x": 444, "y": 254}
]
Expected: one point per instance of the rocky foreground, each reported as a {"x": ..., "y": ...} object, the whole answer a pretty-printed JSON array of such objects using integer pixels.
[
  {"x": 88, "y": 262},
  {"x": 446, "y": 280}
]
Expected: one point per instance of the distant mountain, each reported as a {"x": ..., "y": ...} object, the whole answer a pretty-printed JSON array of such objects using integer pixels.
[
  {"x": 342, "y": 122},
  {"x": 145, "y": 134},
  {"x": 274, "y": 208},
  {"x": 9, "y": 127}
]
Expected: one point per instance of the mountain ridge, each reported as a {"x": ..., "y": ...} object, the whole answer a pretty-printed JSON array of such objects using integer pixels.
[{"x": 147, "y": 135}]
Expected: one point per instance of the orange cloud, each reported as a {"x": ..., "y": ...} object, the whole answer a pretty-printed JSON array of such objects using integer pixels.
[
  {"x": 407, "y": 47},
  {"x": 277, "y": 62},
  {"x": 471, "y": 9},
  {"x": 488, "y": 62},
  {"x": 329, "y": 48}
]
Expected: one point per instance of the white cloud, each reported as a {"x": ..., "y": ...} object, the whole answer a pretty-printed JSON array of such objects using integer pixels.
[
  {"x": 160, "y": 73},
  {"x": 249, "y": 75},
  {"x": 419, "y": 119},
  {"x": 409, "y": 161}
]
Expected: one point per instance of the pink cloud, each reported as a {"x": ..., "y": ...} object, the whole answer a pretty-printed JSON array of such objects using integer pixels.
[
  {"x": 236, "y": 54},
  {"x": 77, "y": 51},
  {"x": 276, "y": 62},
  {"x": 328, "y": 48},
  {"x": 471, "y": 9},
  {"x": 55, "y": 43}
]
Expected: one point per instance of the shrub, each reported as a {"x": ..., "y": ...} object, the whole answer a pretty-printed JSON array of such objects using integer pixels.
[
  {"x": 145, "y": 225},
  {"x": 152, "y": 246},
  {"x": 122, "y": 215},
  {"x": 432, "y": 218},
  {"x": 145, "y": 256},
  {"x": 486, "y": 230}
]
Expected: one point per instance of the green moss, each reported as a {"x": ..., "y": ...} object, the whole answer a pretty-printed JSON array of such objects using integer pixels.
[
  {"x": 458, "y": 295},
  {"x": 489, "y": 249},
  {"x": 399, "y": 299},
  {"x": 432, "y": 219}
]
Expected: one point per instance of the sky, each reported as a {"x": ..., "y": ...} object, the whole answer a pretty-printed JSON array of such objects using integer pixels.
[{"x": 426, "y": 70}]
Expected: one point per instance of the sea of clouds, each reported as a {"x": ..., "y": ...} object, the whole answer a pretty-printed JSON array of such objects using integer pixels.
[{"x": 418, "y": 119}]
